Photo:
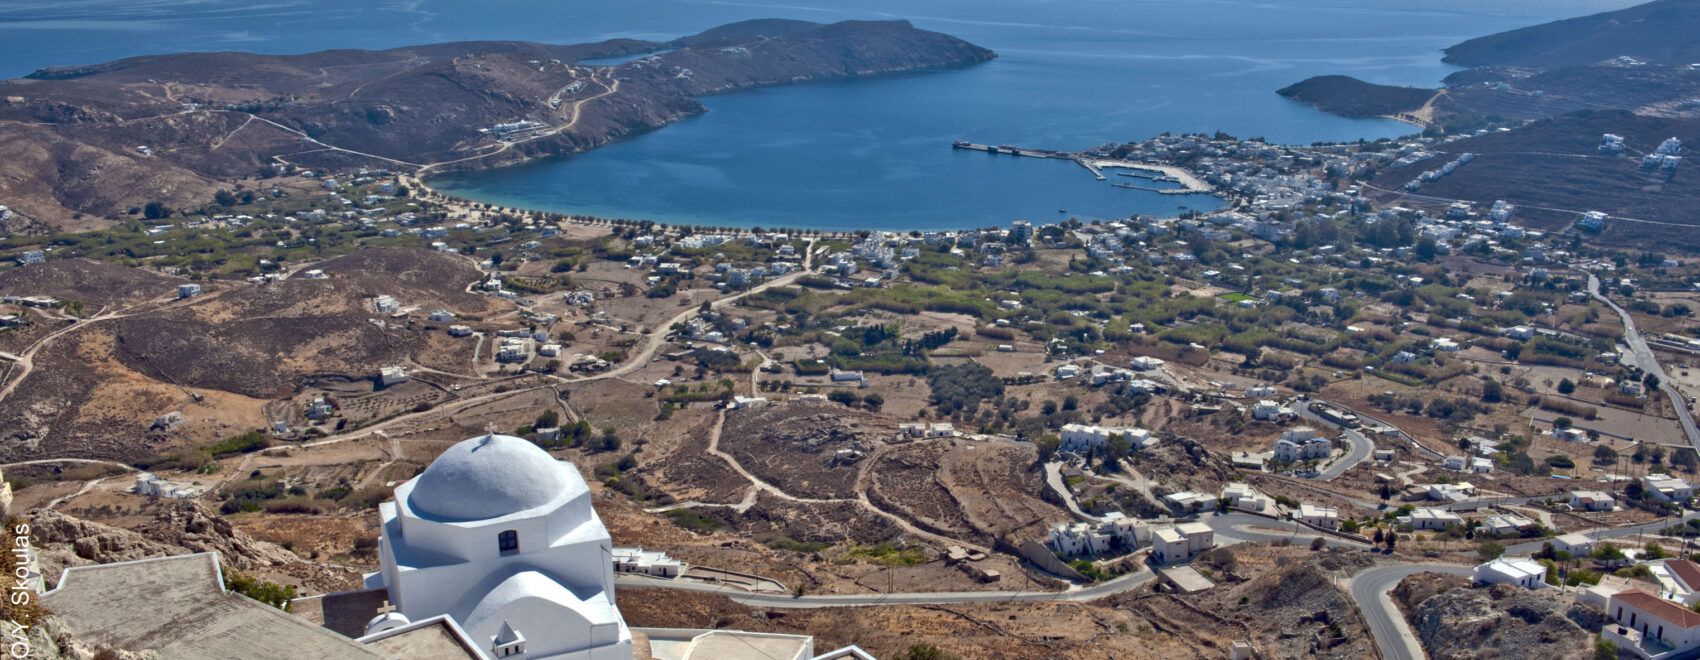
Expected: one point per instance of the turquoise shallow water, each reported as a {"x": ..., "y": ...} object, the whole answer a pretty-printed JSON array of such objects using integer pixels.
[{"x": 868, "y": 153}]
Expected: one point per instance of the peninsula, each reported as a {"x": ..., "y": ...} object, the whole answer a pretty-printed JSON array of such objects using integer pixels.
[{"x": 87, "y": 145}]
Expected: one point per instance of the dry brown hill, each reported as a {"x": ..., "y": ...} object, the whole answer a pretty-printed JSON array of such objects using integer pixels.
[{"x": 70, "y": 137}]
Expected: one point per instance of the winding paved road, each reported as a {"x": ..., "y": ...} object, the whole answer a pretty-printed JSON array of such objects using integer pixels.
[
  {"x": 1361, "y": 446},
  {"x": 1643, "y": 357},
  {"x": 1369, "y": 592}
]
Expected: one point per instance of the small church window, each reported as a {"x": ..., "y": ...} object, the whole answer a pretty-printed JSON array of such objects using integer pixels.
[{"x": 508, "y": 541}]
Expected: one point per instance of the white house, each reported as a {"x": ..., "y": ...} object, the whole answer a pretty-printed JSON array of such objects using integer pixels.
[
  {"x": 1455, "y": 463},
  {"x": 152, "y": 486},
  {"x": 442, "y": 315},
  {"x": 1187, "y": 501},
  {"x": 32, "y": 257},
  {"x": 1523, "y": 572},
  {"x": 1521, "y": 332},
  {"x": 1680, "y": 578},
  {"x": 1666, "y": 488},
  {"x": 1116, "y": 532},
  {"x": 459, "y": 331},
  {"x": 846, "y": 376},
  {"x": 1302, "y": 444},
  {"x": 1266, "y": 409},
  {"x": 1427, "y": 518},
  {"x": 1445, "y": 345},
  {"x": 1592, "y": 500},
  {"x": 1573, "y": 543},
  {"x": 1243, "y": 496},
  {"x": 1146, "y": 363},
  {"x": 1481, "y": 465},
  {"x": 646, "y": 562},
  {"x": 501, "y": 537},
  {"x": 1320, "y": 516},
  {"x": 392, "y": 375},
  {"x": 1078, "y": 437},
  {"x": 1506, "y": 524},
  {"x": 1181, "y": 542},
  {"x": 188, "y": 290},
  {"x": 1651, "y": 627}
]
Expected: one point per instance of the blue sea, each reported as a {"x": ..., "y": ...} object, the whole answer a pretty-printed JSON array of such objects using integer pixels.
[{"x": 871, "y": 153}]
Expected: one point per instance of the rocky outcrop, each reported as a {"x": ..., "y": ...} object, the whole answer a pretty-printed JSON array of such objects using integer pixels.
[
  {"x": 1453, "y": 620},
  {"x": 1349, "y": 97},
  {"x": 179, "y": 528}
]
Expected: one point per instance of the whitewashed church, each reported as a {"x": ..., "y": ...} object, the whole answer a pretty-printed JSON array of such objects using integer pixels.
[
  {"x": 500, "y": 536},
  {"x": 492, "y": 553}
]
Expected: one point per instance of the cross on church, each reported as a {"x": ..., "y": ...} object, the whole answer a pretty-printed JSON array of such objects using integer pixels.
[{"x": 387, "y": 608}]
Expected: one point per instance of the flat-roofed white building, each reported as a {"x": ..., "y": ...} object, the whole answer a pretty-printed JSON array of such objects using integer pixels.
[
  {"x": 1592, "y": 500},
  {"x": 1523, "y": 572},
  {"x": 1181, "y": 542},
  {"x": 1243, "y": 496},
  {"x": 646, "y": 562},
  {"x": 1320, "y": 516},
  {"x": 1079, "y": 437},
  {"x": 1427, "y": 518},
  {"x": 1187, "y": 501},
  {"x": 1666, "y": 488},
  {"x": 392, "y": 375},
  {"x": 1574, "y": 543}
]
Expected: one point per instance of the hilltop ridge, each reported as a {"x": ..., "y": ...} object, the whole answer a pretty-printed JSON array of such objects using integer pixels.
[
  {"x": 1661, "y": 32},
  {"x": 82, "y": 146}
]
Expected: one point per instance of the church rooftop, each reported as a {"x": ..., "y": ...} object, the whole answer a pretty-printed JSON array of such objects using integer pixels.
[{"x": 491, "y": 476}]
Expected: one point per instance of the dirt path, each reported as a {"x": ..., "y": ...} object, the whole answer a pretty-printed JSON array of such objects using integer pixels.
[{"x": 861, "y": 493}]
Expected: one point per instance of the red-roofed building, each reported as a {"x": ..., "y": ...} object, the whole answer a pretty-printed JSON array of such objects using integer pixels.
[
  {"x": 1681, "y": 579},
  {"x": 1652, "y": 627}
]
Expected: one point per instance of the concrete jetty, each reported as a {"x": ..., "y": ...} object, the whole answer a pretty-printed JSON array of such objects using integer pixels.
[{"x": 1190, "y": 185}]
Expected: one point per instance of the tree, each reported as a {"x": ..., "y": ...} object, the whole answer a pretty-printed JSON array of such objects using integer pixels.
[
  {"x": 1605, "y": 455},
  {"x": 1492, "y": 392},
  {"x": 1047, "y": 446},
  {"x": 1392, "y": 540},
  {"x": 1684, "y": 458},
  {"x": 548, "y": 420},
  {"x": 1318, "y": 543},
  {"x": 1566, "y": 387},
  {"x": 1607, "y": 552},
  {"x": 1562, "y": 423},
  {"x": 224, "y": 197},
  {"x": 1426, "y": 249},
  {"x": 155, "y": 211},
  {"x": 1378, "y": 538},
  {"x": 874, "y": 401}
]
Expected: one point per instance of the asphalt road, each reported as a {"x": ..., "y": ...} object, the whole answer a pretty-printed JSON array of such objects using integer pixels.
[
  {"x": 1361, "y": 447},
  {"x": 1230, "y": 529},
  {"x": 1643, "y": 357},
  {"x": 1369, "y": 592},
  {"x": 1612, "y": 533},
  {"x": 1124, "y": 583}
]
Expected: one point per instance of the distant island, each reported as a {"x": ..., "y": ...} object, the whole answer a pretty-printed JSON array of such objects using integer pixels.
[
  {"x": 86, "y": 145},
  {"x": 1560, "y": 119},
  {"x": 1641, "y": 58}
]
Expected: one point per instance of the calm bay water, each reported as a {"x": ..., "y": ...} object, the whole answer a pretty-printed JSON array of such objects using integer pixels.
[{"x": 868, "y": 153}]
